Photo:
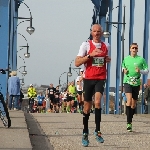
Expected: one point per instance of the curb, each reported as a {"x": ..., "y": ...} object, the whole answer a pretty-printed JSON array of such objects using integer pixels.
[{"x": 37, "y": 137}]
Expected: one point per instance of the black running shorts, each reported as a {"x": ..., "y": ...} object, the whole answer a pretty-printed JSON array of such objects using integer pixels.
[
  {"x": 79, "y": 92},
  {"x": 52, "y": 99},
  {"x": 91, "y": 87},
  {"x": 132, "y": 89}
]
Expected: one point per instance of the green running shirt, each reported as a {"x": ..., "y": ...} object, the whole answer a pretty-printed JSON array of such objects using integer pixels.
[
  {"x": 130, "y": 63},
  {"x": 72, "y": 90}
]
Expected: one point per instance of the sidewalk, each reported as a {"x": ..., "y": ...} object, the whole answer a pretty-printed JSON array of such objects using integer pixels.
[
  {"x": 64, "y": 131},
  {"x": 16, "y": 137}
]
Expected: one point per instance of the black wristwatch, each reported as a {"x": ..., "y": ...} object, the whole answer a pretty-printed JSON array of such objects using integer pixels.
[{"x": 88, "y": 56}]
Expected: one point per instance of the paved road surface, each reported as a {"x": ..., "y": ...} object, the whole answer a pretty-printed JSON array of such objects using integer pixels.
[
  {"x": 17, "y": 136},
  {"x": 52, "y": 131},
  {"x": 64, "y": 132}
]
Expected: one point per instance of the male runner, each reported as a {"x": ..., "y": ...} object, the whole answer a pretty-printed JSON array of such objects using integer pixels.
[
  {"x": 50, "y": 92},
  {"x": 133, "y": 66},
  {"x": 79, "y": 87},
  {"x": 72, "y": 93},
  {"x": 94, "y": 55}
]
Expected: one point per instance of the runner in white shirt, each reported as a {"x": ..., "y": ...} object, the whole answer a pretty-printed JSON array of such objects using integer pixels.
[
  {"x": 79, "y": 86},
  {"x": 64, "y": 94}
]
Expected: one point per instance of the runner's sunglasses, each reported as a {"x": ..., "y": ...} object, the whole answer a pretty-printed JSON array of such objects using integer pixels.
[{"x": 134, "y": 48}]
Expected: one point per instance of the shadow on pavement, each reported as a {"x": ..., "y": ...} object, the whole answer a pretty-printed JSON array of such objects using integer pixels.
[{"x": 37, "y": 137}]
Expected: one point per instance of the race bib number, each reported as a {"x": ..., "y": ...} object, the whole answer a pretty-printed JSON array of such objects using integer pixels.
[
  {"x": 40, "y": 100},
  {"x": 51, "y": 92},
  {"x": 98, "y": 61},
  {"x": 133, "y": 80}
]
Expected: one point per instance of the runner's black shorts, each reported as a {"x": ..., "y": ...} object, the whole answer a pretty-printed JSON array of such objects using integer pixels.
[
  {"x": 132, "y": 89},
  {"x": 79, "y": 92},
  {"x": 75, "y": 104},
  {"x": 65, "y": 100},
  {"x": 70, "y": 98},
  {"x": 52, "y": 99},
  {"x": 91, "y": 86},
  {"x": 56, "y": 101}
]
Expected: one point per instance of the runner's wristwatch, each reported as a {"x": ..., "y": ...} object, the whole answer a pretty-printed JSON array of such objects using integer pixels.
[{"x": 88, "y": 56}]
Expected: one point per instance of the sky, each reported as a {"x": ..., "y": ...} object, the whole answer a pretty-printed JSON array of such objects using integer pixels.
[{"x": 60, "y": 28}]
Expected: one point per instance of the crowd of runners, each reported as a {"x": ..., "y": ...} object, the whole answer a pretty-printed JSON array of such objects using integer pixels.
[{"x": 53, "y": 100}]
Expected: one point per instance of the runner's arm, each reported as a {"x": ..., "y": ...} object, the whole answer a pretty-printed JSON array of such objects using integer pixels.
[
  {"x": 123, "y": 65},
  {"x": 80, "y": 60},
  {"x": 81, "y": 57},
  {"x": 47, "y": 93},
  {"x": 81, "y": 78},
  {"x": 145, "y": 68},
  {"x": 124, "y": 69},
  {"x": 108, "y": 57}
]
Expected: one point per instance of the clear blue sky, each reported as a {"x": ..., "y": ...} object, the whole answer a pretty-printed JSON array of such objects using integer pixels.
[{"x": 60, "y": 28}]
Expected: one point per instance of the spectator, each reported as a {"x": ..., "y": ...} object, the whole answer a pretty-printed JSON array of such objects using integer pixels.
[
  {"x": 13, "y": 90},
  {"x": 21, "y": 99},
  {"x": 40, "y": 99}
]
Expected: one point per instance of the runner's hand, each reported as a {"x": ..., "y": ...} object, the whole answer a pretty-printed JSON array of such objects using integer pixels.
[
  {"x": 125, "y": 71},
  {"x": 137, "y": 69},
  {"x": 108, "y": 59},
  {"x": 95, "y": 52}
]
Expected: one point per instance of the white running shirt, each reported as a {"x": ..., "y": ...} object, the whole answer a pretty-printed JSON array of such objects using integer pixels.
[{"x": 81, "y": 84}]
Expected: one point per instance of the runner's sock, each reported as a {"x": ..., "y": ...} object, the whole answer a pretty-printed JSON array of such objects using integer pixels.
[
  {"x": 85, "y": 122},
  {"x": 129, "y": 114},
  {"x": 68, "y": 108},
  {"x": 64, "y": 108},
  {"x": 97, "y": 118},
  {"x": 133, "y": 111}
]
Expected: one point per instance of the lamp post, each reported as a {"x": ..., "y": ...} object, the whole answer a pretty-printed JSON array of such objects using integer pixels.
[
  {"x": 22, "y": 59},
  {"x": 24, "y": 72},
  {"x": 22, "y": 82},
  {"x": 12, "y": 52},
  {"x": 106, "y": 34},
  {"x": 68, "y": 75},
  {"x": 27, "y": 55},
  {"x": 70, "y": 68},
  {"x": 29, "y": 29}
]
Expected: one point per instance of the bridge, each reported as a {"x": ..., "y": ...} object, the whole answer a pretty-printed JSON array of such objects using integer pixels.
[{"x": 102, "y": 13}]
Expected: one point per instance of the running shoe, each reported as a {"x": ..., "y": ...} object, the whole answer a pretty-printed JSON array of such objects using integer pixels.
[
  {"x": 98, "y": 137},
  {"x": 129, "y": 127},
  {"x": 85, "y": 141}
]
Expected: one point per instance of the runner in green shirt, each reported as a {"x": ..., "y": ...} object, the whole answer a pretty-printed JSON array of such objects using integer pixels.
[
  {"x": 72, "y": 93},
  {"x": 133, "y": 66}
]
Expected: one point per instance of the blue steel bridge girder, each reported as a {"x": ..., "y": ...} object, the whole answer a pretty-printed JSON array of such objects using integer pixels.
[
  {"x": 4, "y": 41},
  {"x": 8, "y": 10}
]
